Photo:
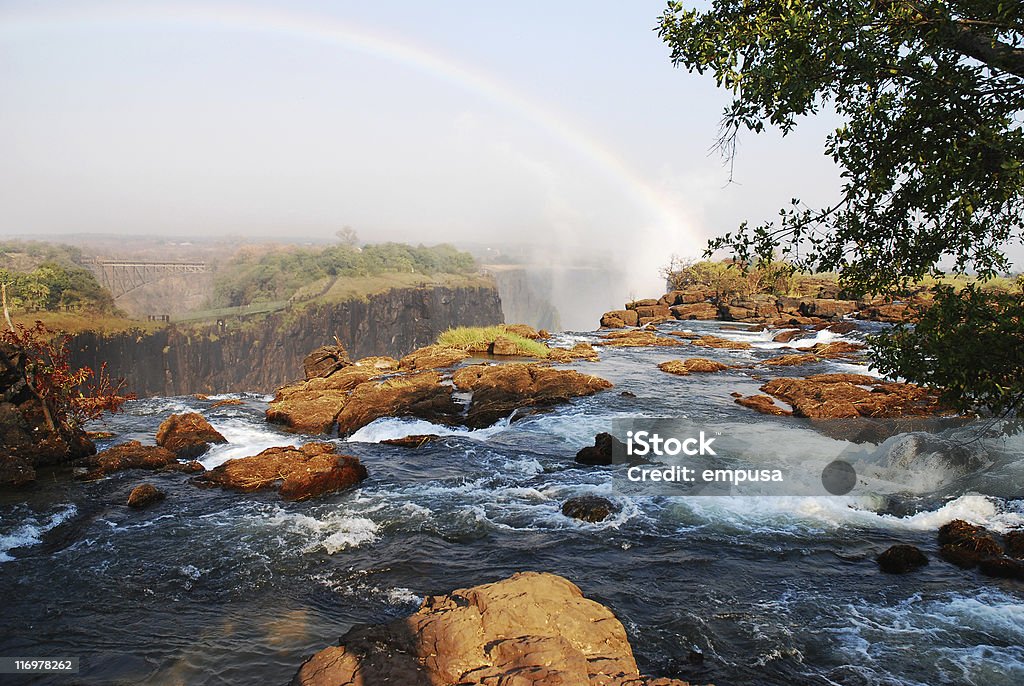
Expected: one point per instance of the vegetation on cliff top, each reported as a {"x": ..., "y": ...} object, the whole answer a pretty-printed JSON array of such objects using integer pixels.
[
  {"x": 45, "y": 277},
  {"x": 305, "y": 274},
  {"x": 931, "y": 148}
]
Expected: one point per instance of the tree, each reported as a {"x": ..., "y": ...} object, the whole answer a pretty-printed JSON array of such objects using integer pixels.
[{"x": 930, "y": 95}]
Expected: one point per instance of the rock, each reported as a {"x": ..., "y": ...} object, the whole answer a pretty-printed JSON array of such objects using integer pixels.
[
  {"x": 187, "y": 435},
  {"x": 718, "y": 342},
  {"x": 787, "y": 336},
  {"x": 967, "y": 552},
  {"x": 837, "y": 350},
  {"x": 645, "y": 302},
  {"x": 892, "y": 313},
  {"x": 414, "y": 395},
  {"x": 763, "y": 404},
  {"x": 700, "y": 310},
  {"x": 525, "y": 331},
  {"x": 653, "y": 311},
  {"x": 637, "y": 339},
  {"x": 503, "y": 345},
  {"x": 528, "y": 630},
  {"x": 129, "y": 455},
  {"x": 842, "y": 327},
  {"x": 694, "y": 364},
  {"x": 324, "y": 361},
  {"x": 603, "y": 450},
  {"x": 144, "y": 495},
  {"x": 956, "y": 530},
  {"x": 900, "y": 559},
  {"x": 26, "y": 440},
  {"x": 414, "y": 441},
  {"x": 580, "y": 351},
  {"x": 616, "y": 319},
  {"x": 311, "y": 471},
  {"x": 311, "y": 407},
  {"x": 377, "y": 363},
  {"x": 589, "y": 508},
  {"x": 790, "y": 360},
  {"x": 499, "y": 390},
  {"x": 227, "y": 402},
  {"x": 827, "y": 307},
  {"x": 1002, "y": 567},
  {"x": 1015, "y": 543},
  {"x": 837, "y": 396}
]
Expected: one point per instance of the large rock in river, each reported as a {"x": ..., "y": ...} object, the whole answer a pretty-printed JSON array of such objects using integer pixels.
[
  {"x": 187, "y": 435},
  {"x": 311, "y": 471},
  {"x": 324, "y": 361},
  {"x": 530, "y": 629}
]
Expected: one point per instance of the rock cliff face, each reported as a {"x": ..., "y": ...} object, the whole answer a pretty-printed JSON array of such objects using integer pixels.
[{"x": 261, "y": 356}]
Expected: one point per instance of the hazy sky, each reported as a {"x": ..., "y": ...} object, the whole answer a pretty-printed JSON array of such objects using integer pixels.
[{"x": 560, "y": 123}]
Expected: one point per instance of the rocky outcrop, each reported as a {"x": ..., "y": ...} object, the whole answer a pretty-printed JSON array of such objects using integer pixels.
[
  {"x": 967, "y": 546},
  {"x": 145, "y": 495},
  {"x": 531, "y": 628},
  {"x": 845, "y": 396},
  {"x": 260, "y": 356},
  {"x": 602, "y": 452},
  {"x": 26, "y": 440},
  {"x": 692, "y": 365},
  {"x": 129, "y": 455},
  {"x": 324, "y": 361},
  {"x": 637, "y": 339},
  {"x": 357, "y": 395},
  {"x": 187, "y": 435},
  {"x": 312, "y": 471},
  {"x": 580, "y": 351}
]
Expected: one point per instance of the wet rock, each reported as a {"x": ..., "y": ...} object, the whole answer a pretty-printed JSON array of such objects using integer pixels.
[
  {"x": 837, "y": 350},
  {"x": 324, "y": 361},
  {"x": 695, "y": 311},
  {"x": 718, "y": 342},
  {"x": 843, "y": 396},
  {"x": 432, "y": 357},
  {"x": 637, "y": 339},
  {"x": 900, "y": 559},
  {"x": 589, "y": 508},
  {"x": 526, "y": 331},
  {"x": 1002, "y": 568},
  {"x": 414, "y": 441},
  {"x": 503, "y": 345},
  {"x": 653, "y": 312},
  {"x": 414, "y": 395},
  {"x": 227, "y": 402},
  {"x": 311, "y": 471},
  {"x": 763, "y": 404},
  {"x": 790, "y": 360},
  {"x": 145, "y": 495},
  {"x": 1015, "y": 543},
  {"x": 967, "y": 552},
  {"x": 827, "y": 307},
  {"x": 499, "y": 390},
  {"x": 601, "y": 453},
  {"x": 692, "y": 365},
  {"x": 842, "y": 327},
  {"x": 312, "y": 406},
  {"x": 787, "y": 336},
  {"x": 129, "y": 455},
  {"x": 531, "y": 629},
  {"x": 187, "y": 435},
  {"x": 580, "y": 351}
]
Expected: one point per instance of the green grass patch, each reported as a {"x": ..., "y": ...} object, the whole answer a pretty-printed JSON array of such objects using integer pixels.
[{"x": 479, "y": 338}]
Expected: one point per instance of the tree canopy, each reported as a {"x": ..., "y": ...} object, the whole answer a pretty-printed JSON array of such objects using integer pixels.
[{"x": 930, "y": 95}]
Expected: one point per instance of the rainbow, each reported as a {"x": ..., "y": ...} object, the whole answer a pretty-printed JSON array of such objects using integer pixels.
[{"x": 336, "y": 32}]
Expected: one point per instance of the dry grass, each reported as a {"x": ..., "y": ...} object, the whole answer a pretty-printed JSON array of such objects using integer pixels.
[
  {"x": 75, "y": 322},
  {"x": 477, "y": 338}
]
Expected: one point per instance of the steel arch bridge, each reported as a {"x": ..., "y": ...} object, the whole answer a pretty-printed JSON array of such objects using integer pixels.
[{"x": 123, "y": 276}]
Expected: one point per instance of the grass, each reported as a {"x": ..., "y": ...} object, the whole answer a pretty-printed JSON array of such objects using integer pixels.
[
  {"x": 79, "y": 322},
  {"x": 478, "y": 338},
  {"x": 346, "y": 288}
]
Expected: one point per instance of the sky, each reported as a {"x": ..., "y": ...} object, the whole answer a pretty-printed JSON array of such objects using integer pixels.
[{"x": 561, "y": 125}]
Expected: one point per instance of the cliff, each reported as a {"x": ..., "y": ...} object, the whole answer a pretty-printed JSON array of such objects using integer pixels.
[{"x": 262, "y": 355}]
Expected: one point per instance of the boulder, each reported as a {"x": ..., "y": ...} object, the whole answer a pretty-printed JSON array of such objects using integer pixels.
[
  {"x": 791, "y": 360},
  {"x": 787, "y": 336},
  {"x": 312, "y": 406},
  {"x": 227, "y": 402},
  {"x": 311, "y": 471},
  {"x": 187, "y": 435},
  {"x": 530, "y": 629},
  {"x": 419, "y": 394},
  {"x": 653, "y": 311},
  {"x": 718, "y": 342},
  {"x": 616, "y": 319},
  {"x": 603, "y": 450},
  {"x": 432, "y": 357},
  {"x": 694, "y": 364},
  {"x": 1014, "y": 541},
  {"x": 827, "y": 308},
  {"x": 129, "y": 455},
  {"x": 900, "y": 559},
  {"x": 324, "y": 361},
  {"x": 644, "y": 302},
  {"x": 145, "y": 495},
  {"x": 1002, "y": 567},
  {"x": 525, "y": 331},
  {"x": 637, "y": 339},
  {"x": 503, "y": 345},
  {"x": 843, "y": 396},
  {"x": 26, "y": 440},
  {"x": 763, "y": 404},
  {"x": 580, "y": 351},
  {"x": 414, "y": 441},
  {"x": 589, "y": 508},
  {"x": 699, "y": 310}
]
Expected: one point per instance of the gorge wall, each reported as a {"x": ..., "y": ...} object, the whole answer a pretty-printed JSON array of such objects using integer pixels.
[{"x": 262, "y": 355}]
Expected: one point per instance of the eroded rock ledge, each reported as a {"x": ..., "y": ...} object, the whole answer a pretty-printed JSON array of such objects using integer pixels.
[{"x": 530, "y": 629}]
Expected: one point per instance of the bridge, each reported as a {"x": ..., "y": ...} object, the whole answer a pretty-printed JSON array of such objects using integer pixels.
[{"x": 123, "y": 276}]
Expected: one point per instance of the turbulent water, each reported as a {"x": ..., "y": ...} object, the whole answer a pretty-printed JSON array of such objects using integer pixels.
[{"x": 210, "y": 587}]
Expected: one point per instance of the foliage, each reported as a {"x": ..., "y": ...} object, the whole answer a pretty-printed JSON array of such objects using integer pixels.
[
  {"x": 71, "y": 396},
  {"x": 51, "y": 287},
  {"x": 931, "y": 146},
  {"x": 478, "y": 338},
  {"x": 276, "y": 275},
  {"x": 969, "y": 343},
  {"x": 728, "y": 279},
  {"x": 930, "y": 95}
]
